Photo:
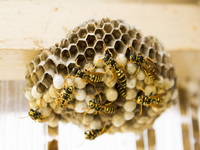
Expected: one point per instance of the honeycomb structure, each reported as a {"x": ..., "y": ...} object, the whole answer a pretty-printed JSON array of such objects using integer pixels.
[{"x": 45, "y": 77}]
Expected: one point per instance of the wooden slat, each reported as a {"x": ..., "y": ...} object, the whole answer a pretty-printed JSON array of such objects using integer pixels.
[
  {"x": 140, "y": 142},
  {"x": 183, "y": 101},
  {"x": 185, "y": 136},
  {"x": 44, "y": 23},
  {"x": 151, "y": 139},
  {"x": 53, "y": 145}
]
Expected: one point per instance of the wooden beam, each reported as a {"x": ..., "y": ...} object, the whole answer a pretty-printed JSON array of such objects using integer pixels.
[{"x": 27, "y": 24}]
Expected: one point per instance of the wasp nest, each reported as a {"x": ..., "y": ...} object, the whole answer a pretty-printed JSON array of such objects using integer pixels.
[{"x": 128, "y": 94}]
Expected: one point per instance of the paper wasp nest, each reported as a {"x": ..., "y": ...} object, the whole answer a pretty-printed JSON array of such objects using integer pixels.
[{"x": 46, "y": 74}]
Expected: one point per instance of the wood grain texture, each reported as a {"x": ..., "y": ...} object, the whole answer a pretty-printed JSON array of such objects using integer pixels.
[{"x": 29, "y": 26}]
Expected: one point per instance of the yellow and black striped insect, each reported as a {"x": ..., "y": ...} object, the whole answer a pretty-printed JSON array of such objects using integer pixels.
[
  {"x": 117, "y": 71},
  {"x": 151, "y": 100},
  {"x": 121, "y": 90},
  {"x": 65, "y": 96},
  {"x": 105, "y": 108},
  {"x": 86, "y": 75},
  {"x": 102, "y": 107},
  {"x": 147, "y": 64},
  {"x": 36, "y": 115},
  {"x": 92, "y": 134}
]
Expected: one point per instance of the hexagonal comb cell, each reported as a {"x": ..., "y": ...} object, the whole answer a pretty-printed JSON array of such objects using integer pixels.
[
  {"x": 89, "y": 54},
  {"x": 34, "y": 78},
  {"x": 91, "y": 39},
  {"x": 82, "y": 33},
  {"x": 115, "y": 23},
  {"x": 64, "y": 43},
  {"x": 70, "y": 67},
  {"x": 37, "y": 60},
  {"x": 81, "y": 45},
  {"x": 47, "y": 80},
  {"x": 165, "y": 58},
  {"x": 170, "y": 73},
  {"x": 144, "y": 49},
  {"x": 39, "y": 71},
  {"x": 158, "y": 57},
  {"x": 119, "y": 46},
  {"x": 164, "y": 71},
  {"x": 132, "y": 32},
  {"x": 99, "y": 47},
  {"x": 108, "y": 27},
  {"x": 99, "y": 33},
  {"x": 81, "y": 60},
  {"x": 73, "y": 38},
  {"x": 40, "y": 88},
  {"x": 50, "y": 65},
  {"x": 62, "y": 70},
  {"x": 57, "y": 52},
  {"x": 65, "y": 55},
  {"x": 136, "y": 44},
  {"x": 123, "y": 28},
  {"x": 29, "y": 81},
  {"x": 108, "y": 39},
  {"x": 138, "y": 36},
  {"x": 44, "y": 55},
  {"x": 126, "y": 38},
  {"x": 116, "y": 33},
  {"x": 91, "y": 27},
  {"x": 31, "y": 67},
  {"x": 152, "y": 53},
  {"x": 103, "y": 21},
  {"x": 73, "y": 50}
]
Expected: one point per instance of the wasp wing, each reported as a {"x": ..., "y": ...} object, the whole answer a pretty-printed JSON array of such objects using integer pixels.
[
  {"x": 149, "y": 70},
  {"x": 157, "y": 96}
]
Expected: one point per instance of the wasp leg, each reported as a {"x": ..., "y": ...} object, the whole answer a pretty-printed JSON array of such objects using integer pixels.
[
  {"x": 108, "y": 104},
  {"x": 130, "y": 61},
  {"x": 86, "y": 68},
  {"x": 75, "y": 93},
  {"x": 153, "y": 60},
  {"x": 137, "y": 71},
  {"x": 88, "y": 109},
  {"x": 112, "y": 78},
  {"x": 68, "y": 76},
  {"x": 140, "y": 109}
]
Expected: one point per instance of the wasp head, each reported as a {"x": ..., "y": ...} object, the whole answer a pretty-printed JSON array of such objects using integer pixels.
[
  {"x": 69, "y": 89},
  {"x": 34, "y": 114},
  {"x": 92, "y": 104},
  {"x": 140, "y": 58},
  {"x": 90, "y": 135},
  {"x": 106, "y": 58},
  {"x": 133, "y": 56},
  {"x": 139, "y": 100}
]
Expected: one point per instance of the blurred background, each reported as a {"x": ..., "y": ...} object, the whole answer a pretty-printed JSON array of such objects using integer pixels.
[{"x": 27, "y": 27}]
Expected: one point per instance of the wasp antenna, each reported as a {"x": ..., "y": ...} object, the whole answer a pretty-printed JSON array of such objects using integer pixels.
[
  {"x": 23, "y": 117},
  {"x": 92, "y": 96},
  {"x": 82, "y": 143},
  {"x": 76, "y": 63},
  {"x": 88, "y": 109},
  {"x": 129, "y": 47},
  {"x": 142, "y": 90}
]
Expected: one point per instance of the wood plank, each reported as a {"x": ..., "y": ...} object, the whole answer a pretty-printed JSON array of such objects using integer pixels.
[
  {"x": 186, "y": 139},
  {"x": 140, "y": 142},
  {"x": 151, "y": 139},
  {"x": 36, "y": 22}
]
